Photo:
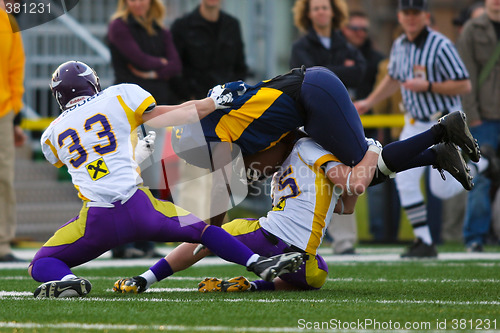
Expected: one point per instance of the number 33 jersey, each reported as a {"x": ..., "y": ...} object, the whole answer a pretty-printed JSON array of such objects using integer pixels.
[
  {"x": 96, "y": 139},
  {"x": 303, "y": 197}
]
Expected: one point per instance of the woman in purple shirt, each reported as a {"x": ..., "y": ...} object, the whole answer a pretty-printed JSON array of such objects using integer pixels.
[{"x": 142, "y": 50}]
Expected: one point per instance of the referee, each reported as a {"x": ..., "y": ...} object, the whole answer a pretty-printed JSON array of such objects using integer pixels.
[{"x": 425, "y": 65}]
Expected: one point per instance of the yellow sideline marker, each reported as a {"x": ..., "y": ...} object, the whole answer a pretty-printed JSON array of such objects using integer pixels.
[{"x": 368, "y": 121}]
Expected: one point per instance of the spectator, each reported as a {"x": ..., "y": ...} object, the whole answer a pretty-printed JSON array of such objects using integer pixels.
[
  {"x": 426, "y": 67},
  {"x": 11, "y": 92},
  {"x": 211, "y": 49},
  {"x": 473, "y": 11},
  {"x": 323, "y": 44},
  {"x": 453, "y": 209},
  {"x": 479, "y": 46},
  {"x": 379, "y": 199},
  {"x": 143, "y": 52}
]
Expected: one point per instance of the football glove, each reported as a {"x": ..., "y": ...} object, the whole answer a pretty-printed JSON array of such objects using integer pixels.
[
  {"x": 145, "y": 147},
  {"x": 374, "y": 145},
  {"x": 222, "y": 97},
  {"x": 236, "y": 87}
]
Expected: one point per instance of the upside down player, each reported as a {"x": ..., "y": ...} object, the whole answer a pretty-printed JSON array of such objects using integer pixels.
[
  {"x": 261, "y": 115},
  {"x": 95, "y": 138},
  {"x": 310, "y": 185}
]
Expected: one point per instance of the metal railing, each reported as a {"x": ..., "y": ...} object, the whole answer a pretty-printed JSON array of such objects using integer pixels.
[{"x": 80, "y": 35}]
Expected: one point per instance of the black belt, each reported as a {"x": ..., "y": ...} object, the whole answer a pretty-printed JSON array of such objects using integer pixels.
[{"x": 275, "y": 240}]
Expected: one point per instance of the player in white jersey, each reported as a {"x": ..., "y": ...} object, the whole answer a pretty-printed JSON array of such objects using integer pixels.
[
  {"x": 303, "y": 199},
  {"x": 309, "y": 186},
  {"x": 95, "y": 137}
]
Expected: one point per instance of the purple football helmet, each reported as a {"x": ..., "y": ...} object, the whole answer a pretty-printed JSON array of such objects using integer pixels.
[{"x": 72, "y": 82}]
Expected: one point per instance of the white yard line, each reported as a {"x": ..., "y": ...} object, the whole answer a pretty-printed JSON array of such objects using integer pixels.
[
  {"x": 149, "y": 327},
  {"x": 29, "y": 296},
  {"x": 17, "y": 325},
  {"x": 386, "y": 258}
]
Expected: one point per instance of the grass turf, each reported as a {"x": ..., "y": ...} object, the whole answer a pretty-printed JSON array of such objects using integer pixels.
[{"x": 423, "y": 293}]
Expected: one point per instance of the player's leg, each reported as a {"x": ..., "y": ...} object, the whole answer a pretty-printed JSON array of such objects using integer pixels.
[
  {"x": 167, "y": 222},
  {"x": 311, "y": 275},
  {"x": 80, "y": 240},
  {"x": 414, "y": 151},
  {"x": 331, "y": 118}
]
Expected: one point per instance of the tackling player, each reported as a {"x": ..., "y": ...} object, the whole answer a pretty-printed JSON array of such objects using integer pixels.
[
  {"x": 311, "y": 185},
  {"x": 261, "y": 115},
  {"x": 95, "y": 137}
]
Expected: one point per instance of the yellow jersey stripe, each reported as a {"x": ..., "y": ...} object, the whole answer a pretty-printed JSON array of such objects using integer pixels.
[
  {"x": 232, "y": 125},
  {"x": 135, "y": 116},
  {"x": 144, "y": 105},
  {"x": 323, "y": 188},
  {"x": 324, "y": 159},
  {"x": 131, "y": 116},
  {"x": 54, "y": 151}
]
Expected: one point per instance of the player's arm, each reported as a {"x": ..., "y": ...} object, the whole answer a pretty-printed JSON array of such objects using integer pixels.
[
  {"x": 354, "y": 181},
  {"x": 190, "y": 111},
  {"x": 173, "y": 115}
]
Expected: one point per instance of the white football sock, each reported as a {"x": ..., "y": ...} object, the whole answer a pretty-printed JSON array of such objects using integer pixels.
[
  {"x": 252, "y": 259},
  {"x": 424, "y": 234},
  {"x": 69, "y": 277},
  {"x": 150, "y": 278}
]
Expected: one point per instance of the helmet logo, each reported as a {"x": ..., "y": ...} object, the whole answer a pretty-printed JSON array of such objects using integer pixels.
[
  {"x": 56, "y": 83},
  {"x": 88, "y": 71}
]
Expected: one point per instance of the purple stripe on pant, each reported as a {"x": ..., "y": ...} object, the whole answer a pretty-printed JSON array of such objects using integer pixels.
[{"x": 137, "y": 219}]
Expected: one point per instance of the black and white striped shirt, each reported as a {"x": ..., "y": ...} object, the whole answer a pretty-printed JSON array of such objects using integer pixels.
[{"x": 432, "y": 56}]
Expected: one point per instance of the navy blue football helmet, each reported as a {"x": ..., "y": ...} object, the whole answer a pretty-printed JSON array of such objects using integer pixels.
[{"x": 72, "y": 82}]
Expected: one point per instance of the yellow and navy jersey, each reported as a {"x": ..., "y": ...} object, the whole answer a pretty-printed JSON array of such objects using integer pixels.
[
  {"x": 96, "y": 139},
  {"x": 258, "y": 119},
  {"x": 303, "y": 197}
]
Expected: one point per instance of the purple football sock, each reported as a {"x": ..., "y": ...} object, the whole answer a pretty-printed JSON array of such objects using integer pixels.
[
  {"x": 225, "y": 246},
  {"x": 49, "y": 269},
  {"x": 161, "y": 269},
  {"x": 261, "y": 285},
  {"x": 397, "y": 155}
]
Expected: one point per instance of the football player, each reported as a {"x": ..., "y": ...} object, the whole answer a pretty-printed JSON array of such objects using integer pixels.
[
  {"x": 95, "y": 137},
  {"x": 259, "y": 116},
  {"x": 310, "y": 185}
]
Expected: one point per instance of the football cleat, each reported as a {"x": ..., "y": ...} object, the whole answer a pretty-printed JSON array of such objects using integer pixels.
[
  {"x": 450, "y": 159},
  {"x": 59, "y": 289},
  {"x": 269, "y": 268},
  {"x": 457, "y": 132},
  {"x": 134, "y": 285},
  {"x": 420, "y": 250},
  {"x": 239, "y": 283}
]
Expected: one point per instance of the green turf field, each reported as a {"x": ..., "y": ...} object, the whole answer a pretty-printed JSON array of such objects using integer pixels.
[{"x": 360, "y": 295}]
